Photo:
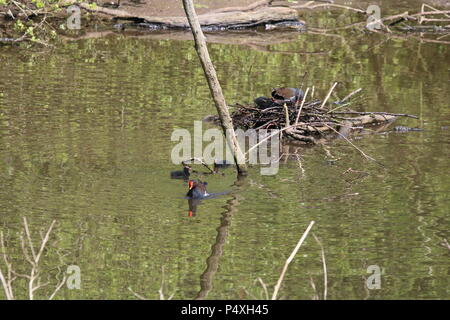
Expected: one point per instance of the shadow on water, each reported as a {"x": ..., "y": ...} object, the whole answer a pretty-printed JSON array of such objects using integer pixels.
[{"x": 85, "y": 139}]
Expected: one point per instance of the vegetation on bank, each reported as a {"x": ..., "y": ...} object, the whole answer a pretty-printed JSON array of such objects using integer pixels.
[
  {"x": 35, "y": 21},
  {"x": 41, "y": 21}
]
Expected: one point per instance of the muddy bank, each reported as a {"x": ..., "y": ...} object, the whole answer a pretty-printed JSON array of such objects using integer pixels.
[{"x": 43, "y": 25}]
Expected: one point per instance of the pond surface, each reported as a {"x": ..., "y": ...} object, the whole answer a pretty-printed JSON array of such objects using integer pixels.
[{"x": 85, "y": 134}]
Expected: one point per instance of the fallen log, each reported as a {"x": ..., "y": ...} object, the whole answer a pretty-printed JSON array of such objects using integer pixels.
[{"x": 211, "y": 21}]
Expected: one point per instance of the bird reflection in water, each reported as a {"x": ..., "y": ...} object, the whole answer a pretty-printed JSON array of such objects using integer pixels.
[{"x": 197, "y": 192}]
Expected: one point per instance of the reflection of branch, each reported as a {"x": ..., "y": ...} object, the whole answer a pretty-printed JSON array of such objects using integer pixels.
[
  {"x": 289, "y": 260},
  {"x": 207, "y": 277},
  {"x": 137, "y": 294},
  {"x": 160, "y": 291},
  {"x": 199, "y": 160},
  {"x": 446, "y": 244},
  {"x": 362, "y": 152},
  {"x": 325, "y": 275}
]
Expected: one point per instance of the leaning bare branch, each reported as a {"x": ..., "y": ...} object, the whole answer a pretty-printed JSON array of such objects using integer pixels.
[
  {"x": 289, "y": 260},
  {"x": 351, "y": 95},
  {"x": 328, "y": 95}
]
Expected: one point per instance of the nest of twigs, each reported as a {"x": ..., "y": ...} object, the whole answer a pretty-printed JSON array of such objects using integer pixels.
[{"x": 309, "y": 120}]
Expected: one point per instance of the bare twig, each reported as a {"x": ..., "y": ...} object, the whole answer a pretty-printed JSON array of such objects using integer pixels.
[
  {"x": 351, "y": 95},
  {"x": 6, "y": 279},
  {"x": 346, "y": 139},
  {"x": 325, "y": 275},
  {"x": 382, "y": 113},
  {"x": 266, "y": 292},
  {"x": 446, "y": 244},
  {"x": 201, "y": 161},
  {"x": 34, "y": 280},
  {"x": 313, "y": 285},
  {"x": 34, "y": 274},
  {"x": 328, "y": 95},
  {"x": 289, "y": 260},
  {"x": 136, "y": 294},
  {"x": 286, "y": 114},
  {"x": 301, "y": 106}
]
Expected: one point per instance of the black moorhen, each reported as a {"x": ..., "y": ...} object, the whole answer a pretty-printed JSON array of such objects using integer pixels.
[
  {"x": 280, "y": 96},
  {"x": 181, "y": 174},
  {"x": 287, "y": 95},
  {"x": 197, "y": 189},
  {"x": 264, "y": 103}
]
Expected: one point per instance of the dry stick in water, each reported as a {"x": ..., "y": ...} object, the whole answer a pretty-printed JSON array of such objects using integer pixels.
[
  {"x": 351, "y": 95},
  {"x": 34, "y": 260},
  {"x": 199, "y": 160},
  {"x": 266, "y": 292},
  {"x": 328, "y": 95},
  {"x": 273, "y": 134},
  {"x": 286, "y": 114},
  {"x": 377, "y": 112},
  {"x": 362, "y": 152},
  {"x": 325, "y": 274},
  {"x": 289, "y": 260},
  {"x": 34, "y": 274},
  {"x": 6, "y": 279},
  {"x": 214, "y": 86},
  {"x": 301, "y": 106}
]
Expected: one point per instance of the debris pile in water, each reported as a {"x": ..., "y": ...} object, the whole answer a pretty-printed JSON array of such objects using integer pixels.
[{"x": 306, "y": 119}]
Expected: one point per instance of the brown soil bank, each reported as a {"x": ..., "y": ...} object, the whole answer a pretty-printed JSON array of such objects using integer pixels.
[{"x": 173, "y": 8}]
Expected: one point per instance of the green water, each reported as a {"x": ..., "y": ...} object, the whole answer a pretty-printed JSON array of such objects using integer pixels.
[{"x": 85, "y": 140}]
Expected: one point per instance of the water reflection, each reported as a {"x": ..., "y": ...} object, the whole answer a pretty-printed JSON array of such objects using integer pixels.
[{"x": 85, "y": 139}]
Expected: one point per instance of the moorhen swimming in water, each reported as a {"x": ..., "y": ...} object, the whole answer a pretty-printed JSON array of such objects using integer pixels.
[
  {"x": 181, "y": 174},
  {"x": 197, "y": 189}
]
